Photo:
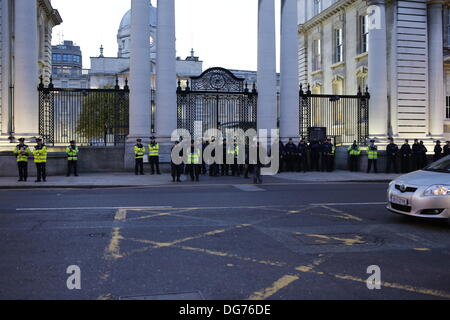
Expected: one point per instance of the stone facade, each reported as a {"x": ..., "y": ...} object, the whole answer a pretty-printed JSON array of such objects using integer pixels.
[{"x": 411, "y": 108}]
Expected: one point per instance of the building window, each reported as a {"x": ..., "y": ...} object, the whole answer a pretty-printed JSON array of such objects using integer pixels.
[
  {"x": 317, "y": 7},
  {"x": 363, "y": 34},
  {"x": 338, "y": 46},
  {"x": 317, "y": 55}
]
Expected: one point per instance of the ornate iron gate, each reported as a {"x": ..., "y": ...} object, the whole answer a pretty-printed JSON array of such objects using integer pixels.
[
  {"x": 92, "y": 117},
  {"x": 216, "y": 100},
  {"x": 346, "y": 117}
]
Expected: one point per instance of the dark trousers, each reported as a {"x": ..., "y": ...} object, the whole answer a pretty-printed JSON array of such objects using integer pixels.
[
  {"x": 257, "y": 174},
  {"x": 315, "y": 159},
  {"x": 139, "y": 166},
  {"x": 72, "y": 164},
  {"x": 327, "y": 162},
  {"x": 354, "y": 163},
  {"x": 235, "y": 168},
  {"x": 194, "y": 171},
  {"x": 405, "y": 164},
  {"x": 290, "y": 162},
  {"x": 416, "y": 162},
  {"x": 213, "y": 169},
  {"x": 302, "y": 164},
  {"x": 176, "y": 171},
  {"x": 41, "y": 171},
  {"x": 374, "y": 163},
  {"x": 154, "y": 162},
  {"x": 23, "y": 170},
  {"x": 391, "y": 161},
  {"x": 224, "y": 169}
]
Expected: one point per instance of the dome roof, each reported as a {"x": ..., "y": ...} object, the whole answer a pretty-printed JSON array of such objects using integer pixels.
[{"x": 126, "y": 20}]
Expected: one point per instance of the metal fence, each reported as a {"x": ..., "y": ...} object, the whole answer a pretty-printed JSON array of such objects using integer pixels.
[
  {"x": 216, "y": 100},
  {"x": 91, "y": 117},
  {"x": 345, "y": 117}
]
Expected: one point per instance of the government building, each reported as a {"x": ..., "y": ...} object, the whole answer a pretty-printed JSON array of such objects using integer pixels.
[{"x": 406, "y": 65}]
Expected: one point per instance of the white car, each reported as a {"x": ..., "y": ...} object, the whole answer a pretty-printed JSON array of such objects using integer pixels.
[{"x": 424, "y": 193}]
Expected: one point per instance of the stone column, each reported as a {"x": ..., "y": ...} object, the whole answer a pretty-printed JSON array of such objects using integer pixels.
[
  {"x": 436, "y": 65},
  {"x": 379, "y": 108},
  {"x": 26, "y": 48},
  {"x": 166, "y": 77},
  {"x": 267, "y": 82},
  {"x": 140, "y": 71},
  {"x": 289, "y": 95}
]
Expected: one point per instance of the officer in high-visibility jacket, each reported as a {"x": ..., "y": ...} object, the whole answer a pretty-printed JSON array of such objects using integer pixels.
[
  {"x": 235, "y": 168},
  {"x": 72, "y": 158},
  {"x": 139, "y": 153},
  {"x": 22, "y": 152},
  {"x": 40, "y": 159},
  {"x": 354, "y": 151},
  {"x": 153, "y": 155},
  {"x": 372, "y": 156},
  {"x": 194, "y": 163}
]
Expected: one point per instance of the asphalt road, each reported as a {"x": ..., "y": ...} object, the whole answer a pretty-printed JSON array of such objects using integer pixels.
[{"x": 223, "y": 241}]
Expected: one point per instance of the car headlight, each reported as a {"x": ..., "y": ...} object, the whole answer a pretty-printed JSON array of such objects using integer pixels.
[{"x": 437, "y": 190}]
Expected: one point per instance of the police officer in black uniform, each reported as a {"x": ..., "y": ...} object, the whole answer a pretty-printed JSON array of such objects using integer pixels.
[
  {"x": 327, "y": 156},
  {"x": 290, "y": 151},
  {"x": 437, "y": 151},
  {"x": 416, "y": 155},
  {"x": 405, "y": 154},
  {"x": 316, "y": 149},
  {"x": 302, "y": 164},
  {"x": 391, "y": 153},
  {"x": 447, "y": 149},
  {"x": 423, "y": 155}
]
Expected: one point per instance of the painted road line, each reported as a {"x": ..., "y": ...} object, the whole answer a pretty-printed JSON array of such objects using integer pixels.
[
  {"x": 274, "y": 288},
  {"x": 248, "y": 188},
  {"x": 349, "y": 204},
  {"x": 93, "y": 208}
]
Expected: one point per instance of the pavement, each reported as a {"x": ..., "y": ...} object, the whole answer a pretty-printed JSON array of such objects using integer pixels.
[
  {"x": 275, "y": 241},
  {"x": 111, "y": 180}
]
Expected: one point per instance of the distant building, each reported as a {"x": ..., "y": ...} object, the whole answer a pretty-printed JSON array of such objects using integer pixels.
[{"x": 67, "y": 69}]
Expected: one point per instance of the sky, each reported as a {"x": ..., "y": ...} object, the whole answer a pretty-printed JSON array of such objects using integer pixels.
[{"x": 223, "y": 33}]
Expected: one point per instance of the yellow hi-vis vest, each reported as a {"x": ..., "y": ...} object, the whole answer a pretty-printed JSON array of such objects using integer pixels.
[
  {"x": 40, "y": 154},
  {"x": 72, "y": 154},
  {"x": 372, "y": 153},
  {"x": 354, "y": 152},
  {"x": 22, "y": 153},
  {"x": 153, "y": 151},
  {"x": 139, "y": 152},
  {"x": 194, "y": 158}
]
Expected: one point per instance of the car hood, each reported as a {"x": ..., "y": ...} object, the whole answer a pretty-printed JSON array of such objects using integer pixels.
[{"x": 424, "y": 178}]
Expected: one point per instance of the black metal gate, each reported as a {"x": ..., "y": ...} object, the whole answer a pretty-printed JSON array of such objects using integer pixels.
[
  {"x": 216, "y": 100},
  {"x": 92, "y": 117},
  {"x": 346, "y": 117}
]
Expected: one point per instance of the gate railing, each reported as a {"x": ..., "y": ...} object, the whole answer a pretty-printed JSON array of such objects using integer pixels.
[
  {"x": 216, "y": 100},
  {"x": 346, "y": 117},
  {"x": 91, "y": 117}
]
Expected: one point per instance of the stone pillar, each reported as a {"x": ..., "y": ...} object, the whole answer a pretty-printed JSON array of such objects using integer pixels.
[
  {"x": 26, "y": 48},
  {"x": 378, "y": 88},
  {"x": 140, "y": 94},
  {"x": 289, "y": 91},
  {"x": 166, "y": 77},
  {"x": 140, "y": 71},
  {"x": 267, "y": 82},
  {"x": 436, "y": 67}
]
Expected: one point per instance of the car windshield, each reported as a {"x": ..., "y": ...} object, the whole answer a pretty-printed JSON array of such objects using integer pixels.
[{"x": 442, "y": 165}]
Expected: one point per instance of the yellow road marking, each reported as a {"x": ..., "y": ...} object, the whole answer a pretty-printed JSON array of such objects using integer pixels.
[
  {"x": 274, "y": 288},
  {"x": 345, "y": 241},
  {"x": 121, "y": 215},
  {"x": 113, "y": 249},
  {"x": 421, "y": 249},
  {"x": 342, "y": 214}
]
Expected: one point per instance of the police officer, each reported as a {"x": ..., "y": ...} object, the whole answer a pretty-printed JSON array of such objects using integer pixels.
[
  {"x": 372, "y": 156},
  {"x": 423, "y": 155},
  {"x": 281, "y": 157},
  {"x": 405, "y": 155},
  {"x": 22, "y": 152},
  {"x": 194, "y": 163},
  {"x": 328, "y": 151},
  {"x": 354, "y": 151},
  {"x": 416, "y": 155},
  {"x": 224, "y": 167},
  {"x": 316, "y": 149},
  {"x": 437, "y": 151},
  {"x": 290, "y": 151},
  {"x": 139, "y": 153},
  {"x": 153, "y": 153},
  {"x": 302, "y": 156},
  {"x": 213, "y": 167},
  {"x": 447, "y": 149},
  {"x": 176, "y": 169},
  {"x": 40, "y": 159},
  {"x": 391, "y": 153},
  {"x": 235, "y": 169},
  {"x": 72, "y": 158}
]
